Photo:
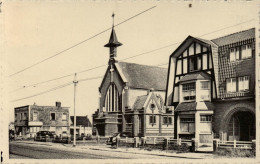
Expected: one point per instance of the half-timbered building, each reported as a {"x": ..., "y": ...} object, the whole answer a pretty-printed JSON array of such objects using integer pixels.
[{"x": 211, "y": 86}]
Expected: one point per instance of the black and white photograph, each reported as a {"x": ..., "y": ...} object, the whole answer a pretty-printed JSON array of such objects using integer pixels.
[{"x": 120, "y": 81}]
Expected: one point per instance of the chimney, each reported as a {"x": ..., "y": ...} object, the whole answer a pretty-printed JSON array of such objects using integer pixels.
[
  {"x": 58, "y": 104},
  {"x": 150, "y": 90}
]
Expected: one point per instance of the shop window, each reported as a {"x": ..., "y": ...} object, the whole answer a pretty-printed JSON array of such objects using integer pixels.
[
  {"x": 243, "y": 83},
  {"x": 189, "y": 91},
  {"x": 205, "y": 118},
  {"x": 187, "y": 124},
  {"x": 152, "y": 119},
  {"x": 53, "y": 116},
  {"x": 231, "y": 85},
  {"x": 35, "y": 116}
]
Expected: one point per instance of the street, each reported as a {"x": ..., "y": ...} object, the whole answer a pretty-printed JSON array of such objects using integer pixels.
[{"x": 41, "y": 150}]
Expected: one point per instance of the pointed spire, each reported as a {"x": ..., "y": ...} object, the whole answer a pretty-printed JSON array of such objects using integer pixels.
[{"x": 113, "y": 42}]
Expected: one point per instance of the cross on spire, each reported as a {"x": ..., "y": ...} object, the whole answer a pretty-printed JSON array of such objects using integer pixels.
[{"x": 113, "y": 17}]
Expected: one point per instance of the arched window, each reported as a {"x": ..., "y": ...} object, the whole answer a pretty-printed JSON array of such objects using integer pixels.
[{"x": 112, "y": 99}]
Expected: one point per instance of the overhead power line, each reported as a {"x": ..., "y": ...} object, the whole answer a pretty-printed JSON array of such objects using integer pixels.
[
  {"x": 52, "y": 89},
  {"x": 144, "y": 53},
  {"x": 55, "y": 88},
  {"x": 75, "y": 45}
]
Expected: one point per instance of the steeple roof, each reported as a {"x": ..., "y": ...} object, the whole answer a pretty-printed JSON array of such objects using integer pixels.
[{"x": 113, "y": 40}]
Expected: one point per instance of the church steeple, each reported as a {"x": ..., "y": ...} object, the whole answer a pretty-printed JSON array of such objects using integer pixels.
[{"x": 113, "y": 42}]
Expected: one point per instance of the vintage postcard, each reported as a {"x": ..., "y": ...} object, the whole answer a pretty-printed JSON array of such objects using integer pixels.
[{"x": 129, "y": 81}]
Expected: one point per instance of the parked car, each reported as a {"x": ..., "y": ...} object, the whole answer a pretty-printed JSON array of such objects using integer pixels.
[
  {"x": 44, "y": 136},
  {"x": 112, "y": 140}
]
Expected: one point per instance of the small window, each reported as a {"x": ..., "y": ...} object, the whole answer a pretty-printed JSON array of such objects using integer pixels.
[
  {"x": 204, "y": 85},
  {"x": 25, "y": 116},
  {"x": 21, "y": 118},
  {"x": 64, "y": 116},
  {"x": 231, "y": 85},
  {"x": 187, "y": 119},
  {"x": 64, "y": 129},
  {"x": 35, "y": 116},
  {"x": 167, "y": 120},
  {"x": 195, "y": 63},
  {"x": 152, "y": 120},
  {"x": 53, "y": 116},
  {"x": 246, "y": 51},
  {"x": 234, "y": 54},
  {"x": 205, "y": 118},
  {"x": 243, "y": 83}
]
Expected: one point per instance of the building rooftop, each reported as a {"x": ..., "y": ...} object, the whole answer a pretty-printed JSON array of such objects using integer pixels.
[
  {"x": 196, "y": 76},
  {"x": 81, "y": 120},
  {"x": 235, "y": 37},
  {"x": 192, "y": 106},
  {"x": 143, "y": 76},
  {"x": 139, "y": 102}
]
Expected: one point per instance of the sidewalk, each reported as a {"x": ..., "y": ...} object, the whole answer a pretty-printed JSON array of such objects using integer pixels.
[
  {"x": 108, "y": 148},
  {"x": 103, "y": 147}
]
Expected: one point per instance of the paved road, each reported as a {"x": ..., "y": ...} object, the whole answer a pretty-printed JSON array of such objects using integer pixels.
[{"x": 57, "y": 151}]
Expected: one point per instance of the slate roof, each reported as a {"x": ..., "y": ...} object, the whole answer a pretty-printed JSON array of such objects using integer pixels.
[
  {"x": 235, "y": 37},
  {"x": 139, "y": 102},
  {"x": 196, "y": 76},
  {"x": 192, "y": 106},
  {"x": 81, "y": 120},
  {"x": 143, "y": 76}
]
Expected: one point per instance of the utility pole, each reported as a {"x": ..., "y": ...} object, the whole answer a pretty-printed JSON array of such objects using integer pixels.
[{"x": 75, "y": 87}]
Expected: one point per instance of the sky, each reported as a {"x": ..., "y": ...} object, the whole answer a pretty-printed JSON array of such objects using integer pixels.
[{"x": 36, "y": 30}]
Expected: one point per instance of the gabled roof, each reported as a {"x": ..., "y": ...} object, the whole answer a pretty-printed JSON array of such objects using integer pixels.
[
  {"x": 195, "y": 76},
  {"x": 81, "y": 120},
  {"x": 139, "y": 102},
  {"x": 235, "y": 37},
  {"x": 143, "y": 76},
  {"x": 193, "y": 106},
  {"x": 186, "y": 43}
]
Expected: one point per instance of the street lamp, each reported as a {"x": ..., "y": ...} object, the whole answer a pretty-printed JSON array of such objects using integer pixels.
[{"x": 75, "y": 86}]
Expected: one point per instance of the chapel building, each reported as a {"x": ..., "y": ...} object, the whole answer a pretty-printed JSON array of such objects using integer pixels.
[{"x": 132, "y": 98}]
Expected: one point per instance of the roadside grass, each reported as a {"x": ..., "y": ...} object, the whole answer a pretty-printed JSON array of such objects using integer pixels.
[{"x": 234, "y": 152}]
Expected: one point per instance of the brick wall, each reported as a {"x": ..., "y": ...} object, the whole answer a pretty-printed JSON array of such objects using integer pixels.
[
  {"x": 244, "y": 67},
  {"x": 224, "y": 108},
  {"x": 44, "y": 115}
]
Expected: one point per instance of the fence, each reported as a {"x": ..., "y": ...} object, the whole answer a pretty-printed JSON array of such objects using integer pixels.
[{"x": 234, "y": 144}]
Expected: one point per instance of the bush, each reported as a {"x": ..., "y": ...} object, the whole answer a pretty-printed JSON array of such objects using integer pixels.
[
  {"x": 183, "y": 148},
  {"x": 235, "y": 152}
]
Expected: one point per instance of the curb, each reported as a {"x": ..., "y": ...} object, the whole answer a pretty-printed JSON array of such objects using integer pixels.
[{"x": 165, "y": 155}]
